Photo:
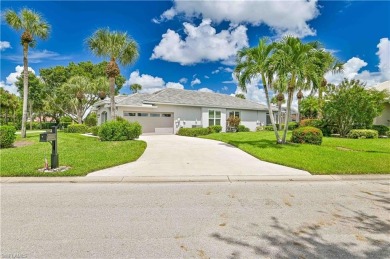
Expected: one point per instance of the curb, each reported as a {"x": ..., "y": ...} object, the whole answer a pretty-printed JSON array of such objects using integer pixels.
[{"x": 193, "y": 179}]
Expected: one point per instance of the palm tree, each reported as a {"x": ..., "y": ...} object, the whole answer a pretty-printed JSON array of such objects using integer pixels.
[
  {"x": 135, "y": 88},
  {"x": 255, "y": 62},
  {"x": 33, "y": 25},
  {"x": 117, "y": 46},
  {"x": 326, "y": 63},
  {"x": 295, "y": 61},
  {"x": 299, "y": 97}
]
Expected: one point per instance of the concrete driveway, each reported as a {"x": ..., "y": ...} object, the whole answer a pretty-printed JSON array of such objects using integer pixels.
[{"x": 171, "y": 155}]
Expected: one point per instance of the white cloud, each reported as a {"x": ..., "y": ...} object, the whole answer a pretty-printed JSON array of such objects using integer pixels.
[
  {"x": 183, "y": 80},
  {"x": 38, "y": 56},
  {"x": 215, "y": 71},
  {"x": 225, "y": 88},
  {"x": 174, "y": 85},
  {"x": 206, "y": 76},
  {"x": 228, "y": 69},
  {"x": 283, "y": 17},
  {"x": 196, "y": 81},
  {"x": 201, "y": 44},
  {"x": 151, "y": 84},
  {"x": 12, "y": 78},
  {"x": 353, "y": 66},
  {"x": 206, "y": 90},
  {"x": 4, "y": 45}
]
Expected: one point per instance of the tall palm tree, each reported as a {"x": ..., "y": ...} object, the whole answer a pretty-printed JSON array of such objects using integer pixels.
[
  {"x": 326, "y": 63},
  {"x": 135, "y": 88},
  {"x": 33, "y": 25},
  {"x": 117, "y": 46},
  {"x": 295, "y": 60},
  {"x": 253, "y": 63}
]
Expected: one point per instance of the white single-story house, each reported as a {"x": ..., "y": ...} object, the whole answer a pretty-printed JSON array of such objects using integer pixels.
[
  {"x": 167, "y": 110},
  {"x": 384, "y": 118}
]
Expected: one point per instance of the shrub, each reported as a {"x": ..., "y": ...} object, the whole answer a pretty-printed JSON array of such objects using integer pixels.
[
  {"x": 382, "y": 129},
  {"x": 7, "y": 136},
  {"x": 259, "y": 128},
  {"x": 362, "y": 133},
  {"x": 292, "y": 125},
  {"x": 269, "y": 128},
  {"x": 233, "y": 121},
  {"x": 94, "y": 130},
  {"x": 119, "y": 130},
  {"x": 311, "y": 123},
  {"x": 242, "y": 128},
  {"x": 193, "y": 132},
  {"x": 310, "y": 135},
  {"x": 77, "y": 128},
  {"x": 215, "y": 129},
  {"x": 91, "y": 120}
]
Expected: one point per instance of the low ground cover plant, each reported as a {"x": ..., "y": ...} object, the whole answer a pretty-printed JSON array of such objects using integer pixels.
[
  {"x": 382, "y": 129},
  {"x": 215, "y": 129},
  {"x": 77, "y": 128},
  {"x": 362, "y": 133},
  {"x": 193, "y": 132},
  {"x": 7, "y": 136}
]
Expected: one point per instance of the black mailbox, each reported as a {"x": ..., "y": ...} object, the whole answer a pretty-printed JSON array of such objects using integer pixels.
[{"x": 47, "y": 136}]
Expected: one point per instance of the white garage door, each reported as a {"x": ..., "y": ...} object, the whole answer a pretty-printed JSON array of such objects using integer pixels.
[{"x": 152, "y": 122}]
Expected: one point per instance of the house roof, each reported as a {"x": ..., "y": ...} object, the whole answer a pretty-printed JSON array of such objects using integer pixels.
[
  {"x": 126, "y": 100},
  {"x": 195, "y": 98},
  {"x": 383, "y": 86}
]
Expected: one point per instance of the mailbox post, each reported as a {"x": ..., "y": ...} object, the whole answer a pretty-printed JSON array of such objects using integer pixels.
[{"x": 52, "y": 138}]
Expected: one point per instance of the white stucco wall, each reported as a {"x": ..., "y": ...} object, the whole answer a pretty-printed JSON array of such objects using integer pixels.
[{"x": 187, "y": 116}]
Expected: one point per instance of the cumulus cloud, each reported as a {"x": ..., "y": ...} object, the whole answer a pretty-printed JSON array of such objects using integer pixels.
[
  {"x": 215, "y": 71},
  {"x": 174, "y": 85},
  {"x": 183, "y": 80},
  {"x": 206, "y": 90},
  {"x": 12, "y": 78},
  {"x": 201, "y": 44},
  {"x": 4, "y": 45},
  {"x": 283, "y": 17},
  {"x": 196, "y": 81},
  {"x": 353, "y": 67},
  {"x": 206, "y": 76},
  {"x": 150, "y": 83}
]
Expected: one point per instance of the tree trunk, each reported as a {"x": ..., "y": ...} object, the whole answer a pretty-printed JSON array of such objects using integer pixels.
[
  {"x": 280, "y": 114},
  {"x": 112, "y": 97},
  {"x": 288, "y": 113},
  {"x": 299, "y": 112},
  {"x": 271, "y": 114},
  {"x": 25, "y": 89},
  {"x": 79, "y": 113},
  {"x": 319, "y": 114},
  {"x": 31, "y": 115}
]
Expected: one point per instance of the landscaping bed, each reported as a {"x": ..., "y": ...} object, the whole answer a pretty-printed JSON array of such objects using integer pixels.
[
  {"x": 334, "y": 156},
  {"x": 82, "y": 154}
]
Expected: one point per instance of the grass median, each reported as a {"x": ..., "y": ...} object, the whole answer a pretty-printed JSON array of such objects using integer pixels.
[
  {"x": 83, "y": 154},
  {"x": 334, "y": 156}
]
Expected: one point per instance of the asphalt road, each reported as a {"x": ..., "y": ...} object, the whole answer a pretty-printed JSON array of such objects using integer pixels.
[{"x": 343, "y": 219}]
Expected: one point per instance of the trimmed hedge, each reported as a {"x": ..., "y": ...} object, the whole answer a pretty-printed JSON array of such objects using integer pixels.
[
  {"x": 242, "y": 128},
  {"x": 119, "y": 130},
  {"x": 7, "y": 136},
  {"x": 382, "y": 129},
  {"x": 193, "y": 132},
  {"x": 310, "y": 123},
  {"x": 269, "y": 128},
  {"x": 309, "y": 135},
  {"x": 77, "y": 128},
  {"x": 215, "y": 129},
  {"x": 362, "y": 133},
  {"x": 94, "y": 130},
  {"x": 292, "y": 125}
]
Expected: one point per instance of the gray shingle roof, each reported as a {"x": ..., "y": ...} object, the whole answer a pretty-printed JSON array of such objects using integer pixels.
[{"x": 196, "y": 98}]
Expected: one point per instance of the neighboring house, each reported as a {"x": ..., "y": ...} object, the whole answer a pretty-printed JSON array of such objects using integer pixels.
[
  {"x": 167, "y": 110},
  {"x": 384, "y": 118}
]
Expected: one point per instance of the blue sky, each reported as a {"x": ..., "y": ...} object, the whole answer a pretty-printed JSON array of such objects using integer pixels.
[{"x": 191, "y": 45}]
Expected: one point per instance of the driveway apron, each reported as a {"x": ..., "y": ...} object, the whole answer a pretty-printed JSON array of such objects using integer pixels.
[{"x": 171, "y": 155}]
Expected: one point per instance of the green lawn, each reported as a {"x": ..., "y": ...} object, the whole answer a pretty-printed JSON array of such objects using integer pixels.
[
  {"x": 334, "y": 156},
  {"x": 83, "y": 154}
]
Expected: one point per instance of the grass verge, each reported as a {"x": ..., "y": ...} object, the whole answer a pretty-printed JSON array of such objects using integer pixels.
[
  {"x": 334, "y": 156},
  {"x": 83, "y": 154}
]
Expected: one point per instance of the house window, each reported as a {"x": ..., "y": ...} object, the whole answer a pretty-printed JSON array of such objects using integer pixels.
[
  {"x": 155, "y": 115},
  {"x": 234, "y": 114},
  {"x": 214, "y": 117},
  {"x": 104, "y": 117},
  {"x": 141, "y": 114},
  {"x": 131, "y": 114}
]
